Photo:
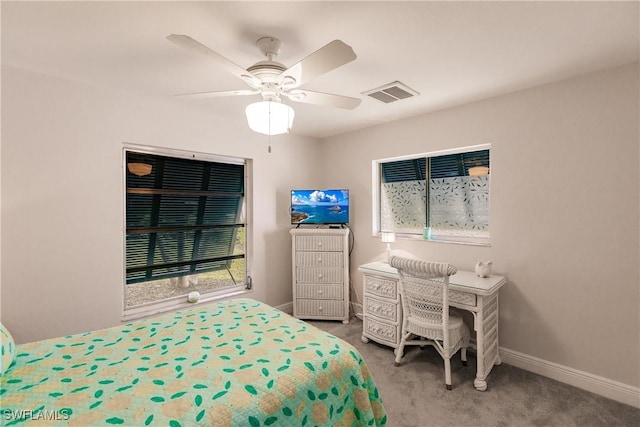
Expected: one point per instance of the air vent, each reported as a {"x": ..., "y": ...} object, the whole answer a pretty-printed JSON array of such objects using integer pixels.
[{"x": 391, "y": 92}]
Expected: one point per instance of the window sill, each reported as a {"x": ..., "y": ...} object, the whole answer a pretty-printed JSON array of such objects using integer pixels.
[
  {"x": 457, "y": 240},
  {"x": 173, "y": 304},
  {"x": 478, "y": 241}
]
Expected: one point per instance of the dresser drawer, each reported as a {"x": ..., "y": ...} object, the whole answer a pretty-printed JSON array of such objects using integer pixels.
[
  {"x": 320, "y": 243},
  {"x": 322, "y": 308},
  {"x": 387, "y": 310},
  {"x": 387, "y": 288},
  {"x": 309, "y": 291},
  {"x": 319, "y": 275},
  {"x": 381, "y": 332},
  {"x": 320, "y": 259}
]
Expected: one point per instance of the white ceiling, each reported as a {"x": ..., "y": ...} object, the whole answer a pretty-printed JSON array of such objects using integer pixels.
[{"x": 450, "y": 52}]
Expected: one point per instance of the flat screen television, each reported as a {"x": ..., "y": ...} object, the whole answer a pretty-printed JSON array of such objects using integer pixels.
[{"x": 320, "y": 206}]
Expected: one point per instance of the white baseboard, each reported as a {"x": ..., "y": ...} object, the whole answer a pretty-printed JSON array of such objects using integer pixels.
[
  {"x": 599, "y": 385},
  {"x": 611, "y": 389},
  {"x": 286, "y": 307}
]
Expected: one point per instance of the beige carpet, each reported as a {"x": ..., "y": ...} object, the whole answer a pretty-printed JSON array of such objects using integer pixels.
[{"x": 415, "y": 396}]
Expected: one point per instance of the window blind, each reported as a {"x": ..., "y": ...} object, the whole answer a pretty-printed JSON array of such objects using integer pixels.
[
  {"x": 182, "y": 218},
  {"x": 446, "y": 166}
]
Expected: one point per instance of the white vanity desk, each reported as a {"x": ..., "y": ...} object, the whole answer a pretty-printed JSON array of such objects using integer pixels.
[{"x": 382, "y": 311}]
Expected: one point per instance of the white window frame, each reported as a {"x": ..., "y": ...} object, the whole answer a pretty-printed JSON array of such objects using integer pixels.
[
  {"x": 180, "y": 302},
  {"x": 376, "y": 197}
]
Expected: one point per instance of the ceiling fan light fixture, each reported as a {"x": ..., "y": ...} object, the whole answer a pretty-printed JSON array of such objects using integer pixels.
[{"x": 270, "y": 117}]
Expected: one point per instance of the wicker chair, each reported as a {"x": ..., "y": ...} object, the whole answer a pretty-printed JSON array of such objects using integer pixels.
[{"x": 424, "y": 291}]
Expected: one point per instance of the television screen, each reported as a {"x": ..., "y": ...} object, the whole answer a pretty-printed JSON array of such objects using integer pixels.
[{"x": 320, "y": 206}]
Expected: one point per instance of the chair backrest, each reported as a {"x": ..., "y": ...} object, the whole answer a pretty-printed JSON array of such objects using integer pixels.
[{"x": 424, "y": 289}]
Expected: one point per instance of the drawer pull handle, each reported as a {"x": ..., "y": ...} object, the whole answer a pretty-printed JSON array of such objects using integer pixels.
[
  {"x": 319, "y": 260},
  {"x": 319, "y": 308},
  {"x": 319, "y": 292},
  {"x": 320, "y": 276}
]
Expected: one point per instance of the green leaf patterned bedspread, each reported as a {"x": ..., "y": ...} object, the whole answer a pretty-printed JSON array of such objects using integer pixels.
[{"x": 234, "y": 363}]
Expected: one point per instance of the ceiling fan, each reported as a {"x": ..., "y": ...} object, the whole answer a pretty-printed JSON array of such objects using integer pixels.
[{"x": 272, "y": 79}]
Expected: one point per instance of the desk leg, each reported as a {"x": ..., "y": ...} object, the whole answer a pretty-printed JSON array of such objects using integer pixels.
[
  {"x": 486, "y": 327},
  {"x": 480, "y": 382}
]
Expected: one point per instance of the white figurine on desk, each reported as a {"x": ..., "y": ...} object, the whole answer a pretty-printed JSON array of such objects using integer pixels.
[{"x": 483, "y": 269}]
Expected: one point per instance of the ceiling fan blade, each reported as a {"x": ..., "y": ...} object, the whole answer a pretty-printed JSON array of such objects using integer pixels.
[
  {"x": 326, "y": 99},
  {"x": 194, "y": 45},
  {"x": 323, "y": 60},
  {"x": 218, "y": 94}
]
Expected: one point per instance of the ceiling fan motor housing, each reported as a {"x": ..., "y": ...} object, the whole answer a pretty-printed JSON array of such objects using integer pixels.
[
  {"x": 269, "y": 70},
  {"x": 269, "y": 46}
]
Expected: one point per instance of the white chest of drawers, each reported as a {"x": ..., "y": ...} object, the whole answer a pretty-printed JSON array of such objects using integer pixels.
[{"x": 320, "y": 261}]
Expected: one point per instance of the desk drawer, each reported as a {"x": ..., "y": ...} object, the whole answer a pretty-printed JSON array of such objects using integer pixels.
[
  {"x": 464, "y": 298},
  {"x": 319, "y": 275},
  {"x": 319, "y": 243},
  {"x": 319, "y": 259},
  {"x": 387, "y": 288},
  {"x": 310, "y": 291},
  {"x": 381, "y": 332},
  {"x": 387, "y": 310}
]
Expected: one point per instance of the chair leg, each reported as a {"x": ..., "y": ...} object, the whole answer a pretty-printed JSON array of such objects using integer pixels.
[
  {"x": 447, "y": 373},
  {"x": 463, "y": 356},
  {"x": 399, "y": 353},
  {"x": 400, "y": 350}
]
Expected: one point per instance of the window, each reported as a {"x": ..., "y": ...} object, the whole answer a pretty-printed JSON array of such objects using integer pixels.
[
  {"x": 455, "y": 205},
  {"x": 185, "y": 229}
]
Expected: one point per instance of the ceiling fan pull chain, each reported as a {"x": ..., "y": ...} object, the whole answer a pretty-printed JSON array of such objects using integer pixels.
[{"x": 269, "y": 149}]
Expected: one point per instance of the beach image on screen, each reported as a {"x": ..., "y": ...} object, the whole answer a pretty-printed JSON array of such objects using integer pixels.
[{"x": 319, "y": 206}]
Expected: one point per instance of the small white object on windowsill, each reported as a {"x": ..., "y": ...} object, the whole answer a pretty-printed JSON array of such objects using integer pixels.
[{"x": 193, "y": 297}]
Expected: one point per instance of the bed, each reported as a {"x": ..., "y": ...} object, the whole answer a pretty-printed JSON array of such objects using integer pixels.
[{"x": 233, "y": 363}]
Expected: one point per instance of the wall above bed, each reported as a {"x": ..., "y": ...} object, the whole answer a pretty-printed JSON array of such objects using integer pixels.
[{"x": 62, "y": 222}]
